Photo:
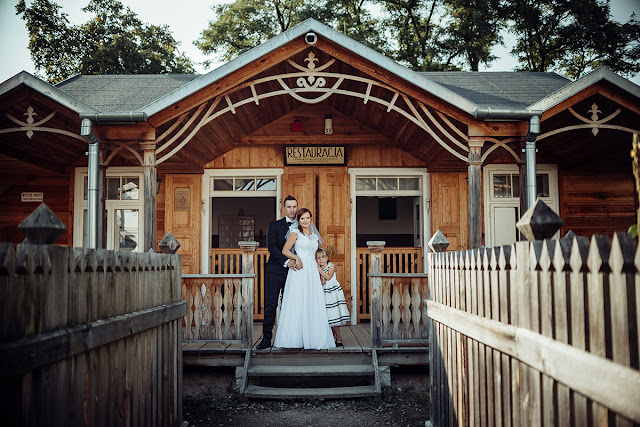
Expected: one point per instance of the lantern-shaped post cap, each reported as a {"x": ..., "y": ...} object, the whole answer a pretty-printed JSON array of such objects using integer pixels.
[
  {"x": 539, "y": 222},
  {"x": 169, "y": 244},
  {"x": 438, "y": 242},
  {"x": 42, "y": 227}
]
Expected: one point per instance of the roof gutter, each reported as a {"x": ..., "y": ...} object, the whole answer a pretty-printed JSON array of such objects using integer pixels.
[
  {"x": 86, "y": 130},
  {"x": 533, "y": 116}
]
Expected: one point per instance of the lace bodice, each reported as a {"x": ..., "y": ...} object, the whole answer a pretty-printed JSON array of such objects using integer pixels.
[{"x": 305, "y": 245}]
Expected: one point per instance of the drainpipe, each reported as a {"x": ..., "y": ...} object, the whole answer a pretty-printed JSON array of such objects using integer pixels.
[
  {"x": 533, "y": 116},
  {"x": 86, "y": 130}
]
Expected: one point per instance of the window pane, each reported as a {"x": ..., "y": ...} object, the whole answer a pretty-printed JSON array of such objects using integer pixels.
[
  {"x": 223, "y": 184},
  {"x": 113, "y": 188},
  {"x": 265, "y": 184},
  {"x": 409, "y": 184},
  {"x": 365, "y": 184},
  {"x": 126, "y": 229},
  {"x": 130, "y": 188},
  {"x": 85, "y": 183},
  {"x": 516, "y": 185},
  {"x": 542, "y": 185},
  {"x": 85, "y": 228},
  {"x": 502, "y": 186},
  {"x": 245, "y": 184},
  {"x": 387, "y": 183}
]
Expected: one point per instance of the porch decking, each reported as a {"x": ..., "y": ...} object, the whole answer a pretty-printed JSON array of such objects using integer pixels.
[{"x": 356, "y": 340}]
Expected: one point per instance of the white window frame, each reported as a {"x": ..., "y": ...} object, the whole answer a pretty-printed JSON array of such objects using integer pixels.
[
  {"x": 208, "y": 194},
  {"x": 490, "y": 201},
  {"x": 423, "y": 192},
  {"x": 79, "y": 205}
]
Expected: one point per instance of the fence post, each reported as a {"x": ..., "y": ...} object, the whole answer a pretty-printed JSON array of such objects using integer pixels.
[
  {"x": 246, "y": 318},
  {"x": 376, "y": 248}
]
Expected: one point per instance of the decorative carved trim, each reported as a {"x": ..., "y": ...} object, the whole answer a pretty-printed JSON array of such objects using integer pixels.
[
  {"x": 312, "y": 79},
  {"x": 31, "y": 126},
  {"x": 595, "y": 123}
]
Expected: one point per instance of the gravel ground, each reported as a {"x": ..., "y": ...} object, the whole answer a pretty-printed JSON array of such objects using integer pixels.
[{"x": 209, "y": 400}]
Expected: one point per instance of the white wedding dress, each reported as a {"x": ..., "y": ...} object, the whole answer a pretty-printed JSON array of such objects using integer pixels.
[{"x": 303, "y": 320}]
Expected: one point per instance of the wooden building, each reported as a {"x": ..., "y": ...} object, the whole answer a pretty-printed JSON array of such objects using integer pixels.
[{"x": 375, "y": 150}]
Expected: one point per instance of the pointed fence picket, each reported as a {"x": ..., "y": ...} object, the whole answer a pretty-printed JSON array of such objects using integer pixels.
[{"x": 536, "y": 333}]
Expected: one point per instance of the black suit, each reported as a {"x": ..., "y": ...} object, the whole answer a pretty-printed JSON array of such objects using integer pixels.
[{"x": 276, "y": 274}]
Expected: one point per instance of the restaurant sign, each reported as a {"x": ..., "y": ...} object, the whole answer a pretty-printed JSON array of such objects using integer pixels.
[{"x": 314, "y": 155}]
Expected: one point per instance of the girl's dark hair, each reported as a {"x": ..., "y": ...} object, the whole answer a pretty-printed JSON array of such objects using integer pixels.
[{"x": 302, "y": 211}]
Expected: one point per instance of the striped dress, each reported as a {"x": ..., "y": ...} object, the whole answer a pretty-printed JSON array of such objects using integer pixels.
[{"x": 337, "y": 309}]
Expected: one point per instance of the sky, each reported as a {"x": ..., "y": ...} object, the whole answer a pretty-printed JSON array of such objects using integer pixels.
[{"x": 186, "y": 23}]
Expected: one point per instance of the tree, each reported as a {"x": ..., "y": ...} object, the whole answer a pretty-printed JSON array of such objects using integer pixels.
[
  {"x": 244, "y": 24},
  {"x": 474, "y": 30},
  {"x": 572, "y": 37},
  {"x": 115, "y": 41}
]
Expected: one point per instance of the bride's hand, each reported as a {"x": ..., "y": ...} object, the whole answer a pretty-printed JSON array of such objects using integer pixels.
[{"x": 298, "y": 263}]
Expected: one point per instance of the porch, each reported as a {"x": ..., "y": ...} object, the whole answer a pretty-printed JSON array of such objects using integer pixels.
[{"x": 220, "y": 328}]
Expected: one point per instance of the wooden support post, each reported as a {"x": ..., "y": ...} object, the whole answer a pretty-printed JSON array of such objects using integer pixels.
[
  {"x": 475, "y": 193},
  {"x": 246, "y": 317},
  {"x": 522, "y": 171},
  {"x": 375, "y": 283},
  {"x": 149, "y": 185}
]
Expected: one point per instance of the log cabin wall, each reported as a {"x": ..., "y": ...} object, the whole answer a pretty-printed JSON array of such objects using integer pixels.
[
  {"x": 17, "y": 177},
  {"x": 598, "y": 198}
]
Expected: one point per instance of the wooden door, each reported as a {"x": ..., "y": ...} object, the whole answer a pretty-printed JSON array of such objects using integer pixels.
[
  {"x": 301, "y": 184},
  {"x": 183, "y": 217},
  {"x": 334, "y": 222},
  {"x": 449, "y": 200}
]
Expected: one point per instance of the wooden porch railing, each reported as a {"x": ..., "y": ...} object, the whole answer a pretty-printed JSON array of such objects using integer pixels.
[
  {"x": 229, "y": 261},
  {"x": 220, "y": 306},
  {"x": 396, "y": 303},
  {"x": 536, "y": 333},
  {"x": 393, "y": 260}
]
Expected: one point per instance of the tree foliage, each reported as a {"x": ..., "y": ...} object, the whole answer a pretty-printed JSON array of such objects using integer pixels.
[
  {"x": 114, "y": 41},
  {"x": 572, "y": 37},
  {"x": 569, "y": 36}
]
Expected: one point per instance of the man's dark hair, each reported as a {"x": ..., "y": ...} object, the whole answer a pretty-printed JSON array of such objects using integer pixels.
[{"x": 289, "y": 197}]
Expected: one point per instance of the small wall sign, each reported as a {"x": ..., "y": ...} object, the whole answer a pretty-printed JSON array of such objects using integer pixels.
[
  {"x": 314, "y": 155},
  {"x": 182, "y": 199},
  {"x": 31, "y": 197}
]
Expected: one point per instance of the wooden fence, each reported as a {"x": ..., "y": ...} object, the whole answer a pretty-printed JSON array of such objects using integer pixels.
[
  {"x": 89, "y": 337},
  {"x": 537, "y": 333},
  {"x": 393, "y": 260},
  {"x": 396, "y": 302}
]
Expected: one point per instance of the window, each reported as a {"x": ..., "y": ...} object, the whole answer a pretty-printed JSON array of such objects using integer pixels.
[
  {"x": 244, "y": 184},
  {"x": 124, "y": 205},
  {"x": 502, "y": 199},
  {"x": 384, "y": 183}
]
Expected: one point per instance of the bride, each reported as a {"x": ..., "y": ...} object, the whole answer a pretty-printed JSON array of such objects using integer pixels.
[{"x": 303, "y": 320}]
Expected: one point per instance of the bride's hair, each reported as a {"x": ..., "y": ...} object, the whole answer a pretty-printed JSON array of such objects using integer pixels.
[{"x": 301, "y": 212}]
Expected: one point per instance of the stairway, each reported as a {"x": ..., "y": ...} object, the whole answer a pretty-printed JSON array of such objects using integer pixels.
[{"x": 328, "y": 378}]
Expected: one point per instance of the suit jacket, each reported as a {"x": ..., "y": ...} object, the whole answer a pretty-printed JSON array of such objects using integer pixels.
[{"x": 275, "y": 242}]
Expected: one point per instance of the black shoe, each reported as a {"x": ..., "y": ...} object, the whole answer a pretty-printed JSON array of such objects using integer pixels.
[{"x": 265, "y": 343}]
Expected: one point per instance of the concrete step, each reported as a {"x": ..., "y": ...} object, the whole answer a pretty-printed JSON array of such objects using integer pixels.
[
  {"x": 309, "y": 393},
  {"x": 311, "y": 371}
]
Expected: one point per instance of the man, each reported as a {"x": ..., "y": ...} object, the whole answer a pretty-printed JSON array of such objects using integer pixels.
[{"x": 277, "y": 268}]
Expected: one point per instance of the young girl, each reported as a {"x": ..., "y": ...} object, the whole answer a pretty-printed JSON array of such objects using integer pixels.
[{"x": 334, "y": 297}]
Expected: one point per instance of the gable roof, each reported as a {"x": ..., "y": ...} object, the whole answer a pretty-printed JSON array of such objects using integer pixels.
[
  {"x": 46, "y": 89},
  {"x": 311, "y": 25},
  {"x": 123, "y": 92},
  {"x": 500, "y": 90}
]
